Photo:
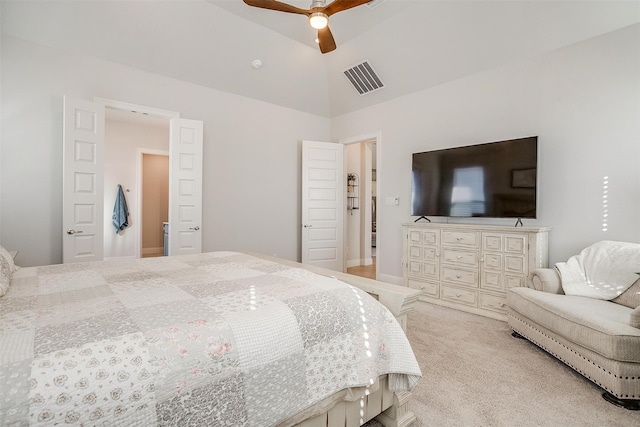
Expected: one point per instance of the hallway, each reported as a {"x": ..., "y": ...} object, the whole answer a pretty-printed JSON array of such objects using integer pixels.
[{"x": 364, "y": 270}]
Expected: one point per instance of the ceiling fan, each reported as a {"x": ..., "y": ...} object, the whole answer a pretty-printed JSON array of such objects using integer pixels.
[{"x": 318, "y": 14}]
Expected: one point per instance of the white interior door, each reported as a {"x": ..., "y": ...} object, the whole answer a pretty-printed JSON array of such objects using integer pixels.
[
  {"x": 185, "y": 186},
  {"x": 83, "y": 181},
  {"x": 323, "y": 204}
]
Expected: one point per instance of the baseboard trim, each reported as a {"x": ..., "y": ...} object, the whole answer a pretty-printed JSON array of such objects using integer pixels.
[
  {"x": 359, "y": 262},
  {"x": 153, "y": 251}
]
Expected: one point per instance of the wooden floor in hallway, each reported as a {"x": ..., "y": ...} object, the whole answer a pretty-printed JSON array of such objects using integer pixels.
[{"x": 364, "y": 270}]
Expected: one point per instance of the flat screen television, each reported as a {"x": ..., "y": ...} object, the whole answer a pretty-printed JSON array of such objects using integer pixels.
[{"x": 492, "y": 180}]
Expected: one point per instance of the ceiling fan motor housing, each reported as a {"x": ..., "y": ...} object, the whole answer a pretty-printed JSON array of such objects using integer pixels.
[{"x": 317, "y": 4}]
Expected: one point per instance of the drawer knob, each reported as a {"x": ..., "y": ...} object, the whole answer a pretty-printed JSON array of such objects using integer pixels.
[
  {"x": 458, "y": 276},
  {"x": 458, "y": 295}
]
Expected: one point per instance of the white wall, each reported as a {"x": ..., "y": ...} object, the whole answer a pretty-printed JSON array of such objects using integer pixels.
[
  {"x": 251, "y": 170},
  {"x": 582, "y": 101},
  {"x": 122, "y": 140}
]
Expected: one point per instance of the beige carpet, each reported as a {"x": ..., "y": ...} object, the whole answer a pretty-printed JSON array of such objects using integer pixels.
[{"x": 477, "y": 374}]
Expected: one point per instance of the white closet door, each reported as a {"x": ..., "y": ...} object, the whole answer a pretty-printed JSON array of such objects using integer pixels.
[
  {"x": 185, "y": 187},
  {"x": 83, "y": 181},
  {"x": 323, "y": 204}
]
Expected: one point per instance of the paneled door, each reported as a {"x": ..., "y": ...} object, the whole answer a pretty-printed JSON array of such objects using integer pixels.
[
  {"x": 323, "y": 204},
  {"x": 185, "y": 186},
  {"x": 83, "y": 181}
]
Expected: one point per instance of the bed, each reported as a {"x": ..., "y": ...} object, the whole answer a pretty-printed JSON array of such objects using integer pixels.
[{"x": 217, "y": 339}]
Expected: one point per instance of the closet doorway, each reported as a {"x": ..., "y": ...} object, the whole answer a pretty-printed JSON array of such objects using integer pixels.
[{"x": 361, "y": 160}]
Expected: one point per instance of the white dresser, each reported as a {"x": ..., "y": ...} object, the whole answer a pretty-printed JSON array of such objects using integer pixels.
[{"x": 470, "y": 267}]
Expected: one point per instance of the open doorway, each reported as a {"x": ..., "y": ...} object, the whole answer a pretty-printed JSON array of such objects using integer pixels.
[
  {"x": 361, "y": 220},
  {"x": 154, "y": 213},
  {"x": 129, "y": 136},
  {"x": 110, "y": 169}
]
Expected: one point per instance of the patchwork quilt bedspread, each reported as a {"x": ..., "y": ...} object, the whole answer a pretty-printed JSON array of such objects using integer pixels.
[{"x": 217, "y": 339}]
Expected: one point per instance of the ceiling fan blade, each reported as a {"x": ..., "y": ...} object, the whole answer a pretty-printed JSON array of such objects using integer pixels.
[
  {"x": 277, "y": 5},
  {"x": 325, "y": 40},
  {"x": 340, "y": 5}
]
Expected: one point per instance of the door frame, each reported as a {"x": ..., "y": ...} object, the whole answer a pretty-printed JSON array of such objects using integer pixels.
[
  {"x": 373, "y": 137},
  {"x": 137, "y": 108},
  {"x": 137, "y": 216}
]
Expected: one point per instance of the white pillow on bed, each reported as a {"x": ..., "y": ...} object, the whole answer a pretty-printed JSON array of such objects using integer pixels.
[{"x": 7, "y": 267}]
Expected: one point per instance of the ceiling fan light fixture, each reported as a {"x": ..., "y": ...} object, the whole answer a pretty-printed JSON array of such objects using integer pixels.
[{"x": 318, "y": 20}]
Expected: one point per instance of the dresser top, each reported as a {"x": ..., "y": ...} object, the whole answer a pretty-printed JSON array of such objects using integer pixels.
[{"x": 477, "y": 227}]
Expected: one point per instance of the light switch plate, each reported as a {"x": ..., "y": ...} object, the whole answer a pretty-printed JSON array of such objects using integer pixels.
[{"x": 392, "y": 201}]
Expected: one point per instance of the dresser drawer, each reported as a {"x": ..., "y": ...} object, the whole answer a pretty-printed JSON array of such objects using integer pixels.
[
  {"x": 460, "y": 238},
  {"x": 430, "y": 269},
  {"x": 414, "y": 236},
  {"x": 493, "y": 261},
  {"x": 431, "y": 237},
  {"x": 492, "y": 242},
  {"x": 424, "y": 237},
  {"x": 491, "y": 280},
  {"x": 458, "y": 257},
  {"x": 515, "y": 264},
  {"x": 430, "y": 254},
  {"x": 493, "y": 302},
  {"x": 511, "y": 243},
  {"x": 414, "y": 268},
  {"x": 511, "y": 281},
  {"x": 462, "y": 296},
  {"x": 422, "y": 269},
  {"x": 415, "y": 252},
  {"x": 516, "y": 244},
  {"x": 427, "y": 288},
  {"x": 459, "y": 276}
]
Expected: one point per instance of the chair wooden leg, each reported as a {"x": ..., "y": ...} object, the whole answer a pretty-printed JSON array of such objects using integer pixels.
[
  {"x": 630, "y": 404},
  {"x": 517, "y": 335}
]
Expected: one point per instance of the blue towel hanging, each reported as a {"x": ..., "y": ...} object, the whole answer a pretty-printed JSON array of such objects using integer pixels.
[{"x": 120, "y": 211}]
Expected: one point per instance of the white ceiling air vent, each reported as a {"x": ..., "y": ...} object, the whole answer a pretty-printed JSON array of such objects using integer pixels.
[
  {"x": 374, "y": 3},
  {"x": 363, "y": 78}
]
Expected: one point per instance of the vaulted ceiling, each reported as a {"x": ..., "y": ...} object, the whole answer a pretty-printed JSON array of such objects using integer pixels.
[{"x": 412, "y": 45}]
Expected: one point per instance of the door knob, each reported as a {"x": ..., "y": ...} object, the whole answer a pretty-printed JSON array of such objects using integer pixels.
[
  {"x": 308, "y": 226},
  {"x": 72, "y": 231},
  {"x": 196, "y": 228}
]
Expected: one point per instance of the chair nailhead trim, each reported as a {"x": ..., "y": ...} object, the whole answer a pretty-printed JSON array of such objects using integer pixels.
[{"x": 533, "y": 327}]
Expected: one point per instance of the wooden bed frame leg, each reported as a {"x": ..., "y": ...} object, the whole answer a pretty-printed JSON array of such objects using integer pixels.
[{"x": 398, "y": 415}]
